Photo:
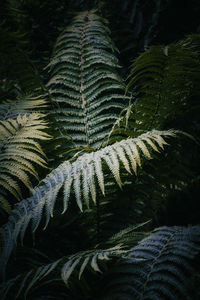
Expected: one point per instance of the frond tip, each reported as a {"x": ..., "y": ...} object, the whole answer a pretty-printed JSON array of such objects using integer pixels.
[{"x": 85, "y": 172}]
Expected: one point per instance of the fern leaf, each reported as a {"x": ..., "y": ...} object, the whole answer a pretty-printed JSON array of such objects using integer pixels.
[
  {"x": 161, "y": 91},
  {"x": 19, "y": 151},
  {"x": 67, "y": 265},
  {"x": 84, "y": 82},
  {"x": 99, "y": 172},
  {"x": 4, "y": 203},
  {"x": 156, "y": 268},
  {"x": 23, "y": 105},
  {"x": 69, "y": 174},
  {"x": 68, "y": 269},
  {"x": 159, "y": 267},
  {"x": 83, "y": 266}
]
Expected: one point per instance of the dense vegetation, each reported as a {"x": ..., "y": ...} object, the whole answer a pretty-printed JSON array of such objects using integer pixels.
[{"x": 99, "y": 152}]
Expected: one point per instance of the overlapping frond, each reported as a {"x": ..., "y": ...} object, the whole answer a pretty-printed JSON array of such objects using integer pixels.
[
  {"x": 19, "y": 151},
  {"x": 129, "y": 236},
  {"x": 162, "y": 92},
  {"x": 67, "y": 266},
  {"x": 87, "y": 258},
  {"x": 87, "y": 92},
  {"x": 81, "y": 177},
  {"x": 158, "y": 268},
  {"x": 73, "y": 267},
  {"x": 24, "y": 104},
  {"x": 124, "y": 124}
]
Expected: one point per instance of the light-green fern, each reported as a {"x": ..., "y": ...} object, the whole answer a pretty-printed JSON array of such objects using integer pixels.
[
  {"x": 19, "y": 151},
  {"x": 24, "y": 104}
]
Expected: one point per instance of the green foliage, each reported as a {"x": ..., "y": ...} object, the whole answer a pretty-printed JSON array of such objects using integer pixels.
[
  {"x": 161, "y": 93},
  {"x": 107, "y": 170},
  {"x": 158, "y": 265},
  {"x": 134, "y": 25},
  {"x": 77, "y": 264},
  {"x": 24, "y": 104},
  {"x": 79, "y": 176},
  {"x": 15, "y": 60},
  {"x": 19, "y": 151},
  {"x": 87, "y": 92},
  {"x": 158, "y": 268}
]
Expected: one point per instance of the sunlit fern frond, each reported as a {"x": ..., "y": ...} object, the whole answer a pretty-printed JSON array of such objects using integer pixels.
[
  {"x": 87, "y": 92},
  {"x": 19, "y": 151},
  {"x": 64, "y": 268},
  {"x": 165, "y": 79},
  {"x": 81, "y": 177},
  {"x": 25, "y": 104},
  {"x": 159, "y": 268}
]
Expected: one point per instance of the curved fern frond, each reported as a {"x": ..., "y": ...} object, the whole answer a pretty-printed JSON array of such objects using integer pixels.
[
  {"x": 67, "y": 266},
  {"x": 158, "y": 268},
  {"x": 23, "y": 105},
  {"x": 87, "y": 258},
  {"x": 79, "y": 176},
  {"x": 19, "y": 151},
  {"x": 87, "y": 92},
  {"x": 74, "y": 266},
  {"x": 162, "y": 92}
]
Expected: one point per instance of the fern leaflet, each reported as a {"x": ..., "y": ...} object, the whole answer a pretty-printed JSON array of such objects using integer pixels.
[
  {"x": 19, "y": 150},
  {"x": 158, "y": 268},
  {"x": 87, "y": 92},
  {"x": 72, "y": 176}
]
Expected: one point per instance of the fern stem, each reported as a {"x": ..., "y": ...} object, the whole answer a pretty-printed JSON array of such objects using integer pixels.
[{"x": 82, "y": 82}]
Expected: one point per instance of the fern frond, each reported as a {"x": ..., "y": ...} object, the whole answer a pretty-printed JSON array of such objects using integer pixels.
[
  {"x": 73, "y": 267},
  {"x": 129, "y": 236},
  {"x": 84, "y": 83},
  {"x": 19, "y": 150},
  {"x": 72, "y": 176},
  {"x": 161, "y": 90},
  {"x": 158, "y": 268},
  {"x": 67, "y": 266},
  {"x": 87, "y": 258},
  {"x": 23, "y": 105}
]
